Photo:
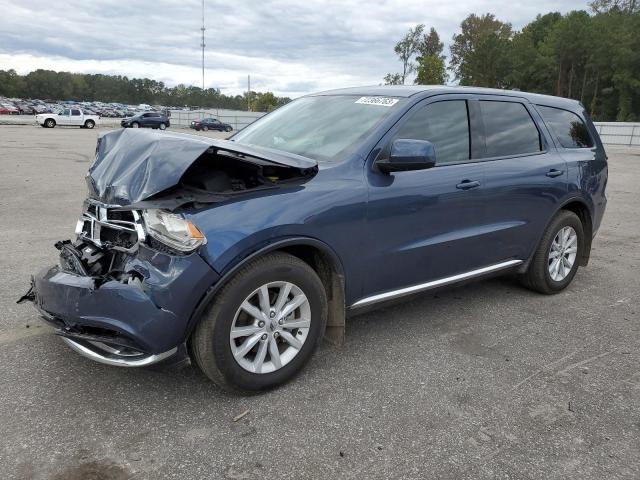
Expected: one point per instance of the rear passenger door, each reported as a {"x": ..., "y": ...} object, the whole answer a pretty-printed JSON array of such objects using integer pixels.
[
  {"x": 76, "y": 117},
  {"x": 525, "y": 177}
]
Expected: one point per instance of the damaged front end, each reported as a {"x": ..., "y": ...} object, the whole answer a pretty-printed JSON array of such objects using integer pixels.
[
  {"x": 125, "y": 289},
  {"x": 119, "y": 301}
]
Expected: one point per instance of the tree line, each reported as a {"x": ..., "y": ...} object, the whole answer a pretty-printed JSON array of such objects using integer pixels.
[
  {"x": 50, "y": 85},
  {"x": 590, "y": 56}
]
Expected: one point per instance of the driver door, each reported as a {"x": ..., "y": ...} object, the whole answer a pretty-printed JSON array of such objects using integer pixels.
[{"x": 426, "y": 225}]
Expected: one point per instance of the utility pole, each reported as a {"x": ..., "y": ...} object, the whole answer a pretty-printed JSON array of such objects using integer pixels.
[
  {"x": 202, "y": 45},
  {"x": 248, "y": 93}
]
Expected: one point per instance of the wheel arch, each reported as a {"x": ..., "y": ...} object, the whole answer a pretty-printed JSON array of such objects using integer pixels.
[
  {"x": 581, "y": 209},
  {"x": 319, "y": 256}
]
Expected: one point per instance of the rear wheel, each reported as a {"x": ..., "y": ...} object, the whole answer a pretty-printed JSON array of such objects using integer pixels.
[
  {"x": 228, "y": 129},
  {"x": 263, "y": 326},
  {"x": 162, "y": 126},
  {"x": 557, "y": 257}
]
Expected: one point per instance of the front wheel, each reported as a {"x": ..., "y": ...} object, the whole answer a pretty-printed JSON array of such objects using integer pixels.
[
  {"x": 162, "y": 126},
  {"x": 135, "y": 125},
  {"x": 205, "y": 129},
  {"x": 263, "y": 326},
  {"x": 89, "y": 124},
  {"x": 228, "y": 129},
  {"x": 50, "y": 123},
  {"x": 556, "y": 260}
]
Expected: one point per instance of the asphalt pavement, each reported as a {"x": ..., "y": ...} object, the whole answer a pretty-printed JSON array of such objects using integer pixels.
[{"x": 488, "y": 380}]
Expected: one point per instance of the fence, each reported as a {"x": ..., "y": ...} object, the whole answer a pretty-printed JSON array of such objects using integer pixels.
[
  {"x": 238, "y": 119},
  {"x": 619, "y": 133}
]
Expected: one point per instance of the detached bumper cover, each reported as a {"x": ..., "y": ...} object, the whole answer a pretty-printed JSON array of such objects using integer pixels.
[{"x": 150, "y": 316}]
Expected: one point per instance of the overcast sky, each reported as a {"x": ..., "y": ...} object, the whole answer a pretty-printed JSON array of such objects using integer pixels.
[{"x": 289, "y": 47}]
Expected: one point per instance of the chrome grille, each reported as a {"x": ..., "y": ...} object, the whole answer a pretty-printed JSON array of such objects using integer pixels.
[{"x": 110, "y": 227}]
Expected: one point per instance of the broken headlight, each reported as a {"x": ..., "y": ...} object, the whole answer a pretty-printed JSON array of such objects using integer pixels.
[{"x": 173, "y": 230}]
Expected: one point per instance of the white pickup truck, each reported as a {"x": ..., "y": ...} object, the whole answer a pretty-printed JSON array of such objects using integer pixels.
[{"x": 69, "y": 117}]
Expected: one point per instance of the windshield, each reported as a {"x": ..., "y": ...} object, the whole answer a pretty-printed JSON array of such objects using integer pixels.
[{"x": 323, "y": 127}]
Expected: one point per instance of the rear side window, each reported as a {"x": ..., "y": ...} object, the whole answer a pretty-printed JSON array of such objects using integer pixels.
[
  {"x": 446, "y": 125},
  {"x": 567, "y": 127},
  {"x": 75, "y": 112},
  {"x": 509, "y": 129}
]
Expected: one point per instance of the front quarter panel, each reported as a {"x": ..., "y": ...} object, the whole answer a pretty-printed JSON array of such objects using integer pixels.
[{"x": 330, "y": 208}]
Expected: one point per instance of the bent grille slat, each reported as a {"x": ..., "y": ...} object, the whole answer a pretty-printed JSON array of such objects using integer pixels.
[{"x": 119, "y": 229}]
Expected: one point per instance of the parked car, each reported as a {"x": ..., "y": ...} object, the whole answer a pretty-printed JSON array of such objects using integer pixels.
[
  {"x": 244, "y": 253},
  {"x": 146, "y": 120},
  {"x": 210, "y": 124},
  {"x": 69, "y": 117},
  {"x": 7, "y": 108}
]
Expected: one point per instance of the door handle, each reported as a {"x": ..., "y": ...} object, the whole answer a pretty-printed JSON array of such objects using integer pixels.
[
  {"x": 554, "y": 173},
  {"x": 468, "y": 184}
]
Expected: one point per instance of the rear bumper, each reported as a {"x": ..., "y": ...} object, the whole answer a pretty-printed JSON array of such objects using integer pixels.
[{"x": 126, "y": 323}]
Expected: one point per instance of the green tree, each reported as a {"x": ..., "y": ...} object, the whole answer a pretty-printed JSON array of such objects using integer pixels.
[
  {"x": 431, "y": 71},
  {"x": 480, "y": 52},
  {"x": 624, "y": 6},
  {"x": 406, "y": 49},
  {"x": 430, "y": 68},
  {"x": 393, "y": 79}
]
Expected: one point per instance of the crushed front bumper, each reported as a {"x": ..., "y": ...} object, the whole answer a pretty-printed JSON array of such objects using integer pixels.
[{"x": 126, "y": 323}]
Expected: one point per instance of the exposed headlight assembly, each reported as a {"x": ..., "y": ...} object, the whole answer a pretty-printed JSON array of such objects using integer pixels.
[{"x": 173, "y": 230}]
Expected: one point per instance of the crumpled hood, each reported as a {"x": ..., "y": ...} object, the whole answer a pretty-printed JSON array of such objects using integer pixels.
[{"x": 132, "y": 165}]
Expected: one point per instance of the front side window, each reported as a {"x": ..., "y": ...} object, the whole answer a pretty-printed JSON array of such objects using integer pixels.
[
  {"x": 446, "y": 125},
  {"x": 322, "y": 127},
  {"x": 65, "y": 112},
  {"x": 567, "y": 127},
  {"x": 509, "y": 129}
]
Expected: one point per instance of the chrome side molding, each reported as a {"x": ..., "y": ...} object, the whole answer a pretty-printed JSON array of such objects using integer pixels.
[{"x": 380, "y": 297}]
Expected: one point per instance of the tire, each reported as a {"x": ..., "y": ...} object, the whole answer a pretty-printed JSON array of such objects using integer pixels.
[
  {"x": 228, "y": 129},
  {"x": 135, "y": 125},
  {"x": 49, "y": 123},
  {"x": 162, "y": 126},
  {"x": 205, "y": 129},
  {"x": 89, "y": 124},
  {"x": 211, "y": 342},
  {"x": 539, "y": 275}
]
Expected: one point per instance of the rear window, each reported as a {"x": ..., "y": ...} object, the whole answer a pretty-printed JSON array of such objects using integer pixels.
[
  {"x": 567, "y": 127},
  {"x": 509, "y": 129}
]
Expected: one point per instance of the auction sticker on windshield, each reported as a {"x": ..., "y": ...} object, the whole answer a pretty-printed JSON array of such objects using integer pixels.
[{"x": 381, "y": 101}]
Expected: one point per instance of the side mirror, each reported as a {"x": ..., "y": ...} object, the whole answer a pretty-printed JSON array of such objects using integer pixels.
[{"x": 408, "y": 155}]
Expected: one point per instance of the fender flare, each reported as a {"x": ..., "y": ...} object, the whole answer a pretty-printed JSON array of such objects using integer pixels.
[
  {"x": 335, "y": 326},
  {"x": 572, "y": 199}
]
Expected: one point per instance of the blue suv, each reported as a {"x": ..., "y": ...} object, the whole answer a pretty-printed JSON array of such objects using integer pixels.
[{"x": 242, "y": 254}]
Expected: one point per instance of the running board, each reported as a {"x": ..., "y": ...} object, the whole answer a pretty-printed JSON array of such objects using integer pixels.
[{"x": 381, "y": 297}]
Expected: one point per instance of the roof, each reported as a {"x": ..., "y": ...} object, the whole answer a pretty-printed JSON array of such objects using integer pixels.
[{"x": 422, "y": 91}]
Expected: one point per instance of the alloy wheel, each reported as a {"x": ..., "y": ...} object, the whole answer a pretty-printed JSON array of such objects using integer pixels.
[
  {"x": 562, "y": 254},
  {"x": 270, "y": 327}
]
